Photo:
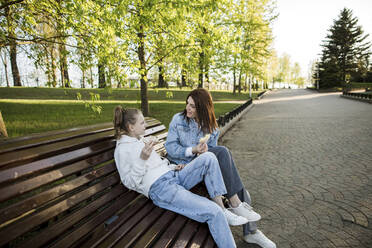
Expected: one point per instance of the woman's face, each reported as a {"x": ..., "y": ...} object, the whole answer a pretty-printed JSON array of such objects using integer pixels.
[
  {"x": 190, "y": 108},
  {"x": 139, "y": 127}
]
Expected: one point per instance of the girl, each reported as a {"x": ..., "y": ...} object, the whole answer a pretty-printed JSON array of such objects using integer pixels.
[
  {"x": 184, "y": 144},
  {"x": 142, "y": 169}
]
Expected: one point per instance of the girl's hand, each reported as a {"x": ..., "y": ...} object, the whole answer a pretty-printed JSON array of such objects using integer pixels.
[
  {"x": 200, "y": 148},
  {"x": 179, "y": 167},
  {"x": 147, "y": 150}
]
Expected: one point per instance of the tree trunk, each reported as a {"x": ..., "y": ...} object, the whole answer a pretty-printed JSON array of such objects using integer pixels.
[
  {"x": 13, "y": 62},
  {"x": 90, "y": 81},
  {"x": 5, "y": 62},
  {"x": 143, "y": 73},
  {"x": 207, "y": 74},
  {"x": 245, "y": 82},
  {"x": 101, "y": 76},
  {"x": 13, "y": 49},
  {"x": 161, "y": 82},
  {"x": 83, "y": 79},
  {"x": 3, "y": 131},
  {"x": 240, "y": 81},
  {"x": 65, "y": 81},
  {"x": 201, "y": 70},
  {"x": 48, "y": 63},
  {"x": 183, "y": 78},
  {"x": 54, "y": 65},
  {"x": 234, "y": 81}
]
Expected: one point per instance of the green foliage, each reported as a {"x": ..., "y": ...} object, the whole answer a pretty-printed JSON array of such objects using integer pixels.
[
  {"x": 345, "y": 52},
  {"x": 200, "y": 37},
  {"x": 169, "y": 94}
]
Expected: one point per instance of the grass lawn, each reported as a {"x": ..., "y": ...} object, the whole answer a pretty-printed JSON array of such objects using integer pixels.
[
  {"x": 172, "y": 94},
  {"x": 28, "y": 110},
  {"x": 24, "y": 117}
]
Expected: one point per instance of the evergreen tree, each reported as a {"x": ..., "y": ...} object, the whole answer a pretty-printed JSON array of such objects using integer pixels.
[{"x": 345, "y": 52}]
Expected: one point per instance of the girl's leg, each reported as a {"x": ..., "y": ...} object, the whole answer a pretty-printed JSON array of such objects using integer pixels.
[
  {"x": 204, "y": 167},
  {"x": 167, "y": 193}
]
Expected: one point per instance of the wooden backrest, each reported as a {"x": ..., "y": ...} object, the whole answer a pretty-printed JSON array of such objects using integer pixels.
[{"x": 60, "y": 188}]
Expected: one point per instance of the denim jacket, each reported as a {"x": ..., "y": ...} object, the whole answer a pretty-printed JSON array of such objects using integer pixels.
[{"x": 182, "y": 135}]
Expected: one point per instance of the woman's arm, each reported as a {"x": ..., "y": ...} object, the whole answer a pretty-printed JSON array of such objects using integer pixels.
[
  {"x": 173, "y": 145},
  {"x": 212, "y": 142}
]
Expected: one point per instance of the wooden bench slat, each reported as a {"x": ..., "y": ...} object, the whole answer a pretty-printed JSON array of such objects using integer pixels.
[
  {"x": 209, "y": 243},
  {"x": 35, "y": 201},
  {"x": 24, "y": 142},
  {"x": 126, "y": 226},
  {"x": 73, "y": 239},
  {"x": 129, "y": 239},
  {"x": 132, "y": 206},
  {"x": 200, "y": 236},
  {"x": 154, "y": 130},
  {"x": 62, "y": 189},
  {"x": 49, "y": 149},
  {"x": 186, "y": 234},
  {"x": 55, "y": 230},
  {"x": 23, "y": 156},
  {"x": 35, "y": 182},
  {"x": 51, "y": 162},
  {"x": 171, "y": 233},
  {"x": 148, "y": 238},
  {"x": 10, "y": 232}
]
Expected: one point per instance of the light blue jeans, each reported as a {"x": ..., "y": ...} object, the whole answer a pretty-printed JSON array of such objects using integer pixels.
[{"x": 171, "y": 191}]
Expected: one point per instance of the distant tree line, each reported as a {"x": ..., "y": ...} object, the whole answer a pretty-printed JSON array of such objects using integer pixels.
[
  {"x": 346, "y": 54},
  {"x": 188, "y": 40},
  {"x": 196, "y": 42}
]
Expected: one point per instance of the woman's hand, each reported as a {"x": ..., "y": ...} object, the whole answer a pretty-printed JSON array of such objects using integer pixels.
[
  {"x": 200, "y": 148},
  {"x": 147, "y": 150},
  {"x": 179, "y": 167}
]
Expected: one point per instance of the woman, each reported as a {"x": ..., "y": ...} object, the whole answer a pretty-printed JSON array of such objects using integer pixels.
[
  {"x": 183, "y": 145},
  {"x": 142, "y": 169}
]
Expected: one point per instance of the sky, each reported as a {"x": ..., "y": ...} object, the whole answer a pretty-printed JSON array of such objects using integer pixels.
[{"x": 302, "y": 25}]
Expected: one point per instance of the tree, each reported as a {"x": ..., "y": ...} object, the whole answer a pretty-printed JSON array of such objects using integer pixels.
[
  {"x": 11, "y": 40},
  {"x": 345, "y": 51}
]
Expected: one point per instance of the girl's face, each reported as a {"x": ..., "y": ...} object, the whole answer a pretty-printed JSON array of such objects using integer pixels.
[
  {"x": 138, "y": 128},
  {"x": 190, "y": 108}
]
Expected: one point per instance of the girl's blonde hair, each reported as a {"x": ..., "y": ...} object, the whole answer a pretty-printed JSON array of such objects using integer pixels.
[{"x": 122, "y": 118}]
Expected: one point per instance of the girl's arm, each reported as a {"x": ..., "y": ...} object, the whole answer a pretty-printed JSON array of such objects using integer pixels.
[{"x": 132, "y": 169}]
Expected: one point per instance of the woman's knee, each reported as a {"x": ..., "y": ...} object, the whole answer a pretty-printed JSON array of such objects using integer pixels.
[
  {"x": 221, "y": 151},
  {"x": 210, "y": 158}
]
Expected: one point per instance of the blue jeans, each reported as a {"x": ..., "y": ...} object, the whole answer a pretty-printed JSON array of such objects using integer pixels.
[
  {"x": 232, "y": 181},
  {"x": 171, "y": 191}
]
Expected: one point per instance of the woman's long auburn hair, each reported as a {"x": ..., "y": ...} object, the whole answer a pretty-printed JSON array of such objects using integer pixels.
[{"x": 204, "y": 110}]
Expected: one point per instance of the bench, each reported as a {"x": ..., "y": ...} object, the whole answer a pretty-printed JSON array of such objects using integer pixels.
[{"x": 62, "y": 189}]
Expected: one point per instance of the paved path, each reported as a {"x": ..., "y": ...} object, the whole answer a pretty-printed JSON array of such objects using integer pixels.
[{"x": 306, "y": 159}]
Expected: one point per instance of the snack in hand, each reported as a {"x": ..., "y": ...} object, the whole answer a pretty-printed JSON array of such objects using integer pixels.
[
  {"x": 149, "y": 139},
  {"x": 204, "y": 139}
]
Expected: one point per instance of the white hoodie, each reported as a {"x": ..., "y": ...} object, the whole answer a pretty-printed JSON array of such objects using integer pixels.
[{"x": 135, "y": 173}]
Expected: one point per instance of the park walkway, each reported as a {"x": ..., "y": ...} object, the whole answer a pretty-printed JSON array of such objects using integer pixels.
[{"x": 306, "y": 159}]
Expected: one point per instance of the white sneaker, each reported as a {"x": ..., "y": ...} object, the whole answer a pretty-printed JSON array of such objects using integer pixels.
[
  {"x": 260, "y": 239},
  {"x": 246, "y": 211},
  {"x": 233, "y": 219}
]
